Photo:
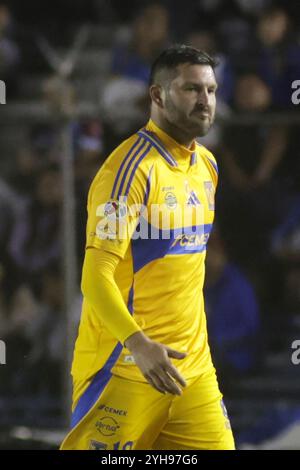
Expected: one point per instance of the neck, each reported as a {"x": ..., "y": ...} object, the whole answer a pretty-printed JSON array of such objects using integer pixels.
[{"x": 173, "y": 131}]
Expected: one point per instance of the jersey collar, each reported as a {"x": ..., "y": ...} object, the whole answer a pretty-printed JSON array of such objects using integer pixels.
[{"x": 180, "y": 155}]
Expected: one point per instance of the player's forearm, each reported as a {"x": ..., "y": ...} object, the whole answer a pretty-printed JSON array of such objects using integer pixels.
[{"x": 102, "y": 293}]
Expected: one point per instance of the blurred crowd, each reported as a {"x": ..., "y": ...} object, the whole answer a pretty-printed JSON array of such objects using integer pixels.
[{"x": 253, "y": 263}]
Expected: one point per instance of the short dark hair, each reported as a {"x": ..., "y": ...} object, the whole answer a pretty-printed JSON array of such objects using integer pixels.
[{"x": 178, "y": 54}]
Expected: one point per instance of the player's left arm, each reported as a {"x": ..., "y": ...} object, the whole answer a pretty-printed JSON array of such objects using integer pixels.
[{"x": 102, "y": 293}]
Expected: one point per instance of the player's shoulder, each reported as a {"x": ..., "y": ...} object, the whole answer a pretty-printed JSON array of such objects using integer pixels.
[
  {"x": 129, "y": 165},
  {"x": 207, "y": 158},
  {"x": 135, "y": 151}
]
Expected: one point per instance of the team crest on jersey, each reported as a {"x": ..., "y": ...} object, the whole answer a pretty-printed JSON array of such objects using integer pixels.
[
  {"x": 171, "y": 201},
  {"x": 210, "y": 194}
]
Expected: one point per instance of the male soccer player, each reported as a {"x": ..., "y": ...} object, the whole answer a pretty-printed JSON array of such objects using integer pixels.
[{"x": 142, "y": 371}]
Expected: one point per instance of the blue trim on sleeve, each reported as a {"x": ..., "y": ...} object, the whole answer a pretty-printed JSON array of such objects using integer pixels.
[
  {"x": 148, "y": 187},
  {"x": 135, "y": 168},
  {"x": 126, "y": 158},
  {"x": 214, "y": 165},
  {"x": 129, "y": 164},
  {"x": 130, "y": 300}
]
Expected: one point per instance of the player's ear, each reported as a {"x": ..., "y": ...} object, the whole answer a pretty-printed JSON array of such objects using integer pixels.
[{"x": 156, "y": 94}]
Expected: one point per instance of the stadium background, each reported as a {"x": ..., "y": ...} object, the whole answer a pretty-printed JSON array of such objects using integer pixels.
[{"x": 76, "y": 84}]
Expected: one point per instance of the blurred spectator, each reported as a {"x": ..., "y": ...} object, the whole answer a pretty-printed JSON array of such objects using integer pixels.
[
  {"x": 292, "y": 295},
  {"x": 235, "y": 33},
  {"x": 124, "y": 103},
  {"x": 27, "y": 165},
  {"x": 89, "y": 156},
  {"x": 278, "y": 55},
  {"x": 43, "y": 142},
  {"x": 285, "y": 240},
  {"x": 39, "y": 150},
  {"x": 21, "y": 318},
  {"x": 232, "y": 312},
  {"x": 10, "y": 209},
  {"x": 88, "y": 137},
  {"x": 125, "y": 98},
  {"x": 34, "y": 332},
  {"x": 249, "y": 197},
  {"x": 255, "y": 7},
  {"x": 11, "y": 205},
  {"x": 36, "y": 239},
  {"x": 149, "y": 36}
]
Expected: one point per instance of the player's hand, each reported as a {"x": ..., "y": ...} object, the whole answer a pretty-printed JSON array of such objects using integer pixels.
[{"x": 152, "y": 358}]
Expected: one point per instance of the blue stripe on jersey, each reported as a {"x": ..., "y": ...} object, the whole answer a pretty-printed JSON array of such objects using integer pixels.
[
  {"x": 214, "y": 165},
  {"x": 129, "y": 164},
  {"x": 159, "y": 146},
  {"x": 96, "y": 387},
  {"x": 130, "y": 300},
  {"x": 148, "y": 186},
  {"x": 193, "y": 158},
  {"x": 100, "y": 380},
  {"x": 180, "y": 241},
  {"x": 135, "y": 167},
  {"x": 127, "y": 156}
]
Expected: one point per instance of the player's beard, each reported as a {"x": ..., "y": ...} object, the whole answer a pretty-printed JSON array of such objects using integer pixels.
[
  {"x": 202, "y": 127},
  {"x": 187, "y": 123}
]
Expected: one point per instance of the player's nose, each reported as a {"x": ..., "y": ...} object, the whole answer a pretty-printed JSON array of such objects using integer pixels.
[{"x": 203, "y": 99}]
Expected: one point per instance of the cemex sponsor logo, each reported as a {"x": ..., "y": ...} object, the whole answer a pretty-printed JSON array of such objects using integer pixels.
[{"x": 114, "y": 411}]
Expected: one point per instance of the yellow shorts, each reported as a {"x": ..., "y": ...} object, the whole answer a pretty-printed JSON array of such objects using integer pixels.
[{"x": 133, "y": 415}]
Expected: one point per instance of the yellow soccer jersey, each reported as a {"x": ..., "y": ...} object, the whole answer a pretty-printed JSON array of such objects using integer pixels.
[{"x": 160, "y": 276}]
